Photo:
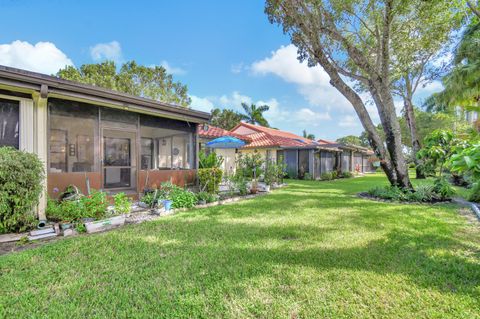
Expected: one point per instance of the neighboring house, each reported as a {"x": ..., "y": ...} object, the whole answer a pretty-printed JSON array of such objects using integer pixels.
[
  {"x": 207, "y": 133},
  {"x": 353, "y": 158},
  {"x": 115, "y": 141},
  {"x": 301, "y": 155}
]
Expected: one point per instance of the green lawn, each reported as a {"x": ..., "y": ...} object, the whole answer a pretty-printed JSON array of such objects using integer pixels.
[{"x": 310, "y": 250}]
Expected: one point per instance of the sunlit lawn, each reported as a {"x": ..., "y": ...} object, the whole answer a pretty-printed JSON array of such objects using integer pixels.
[{"x": 310, "y": 250}]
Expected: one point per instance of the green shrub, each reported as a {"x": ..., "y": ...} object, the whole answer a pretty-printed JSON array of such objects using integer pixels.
[
  {"x": 475, "y": 193},
  {"x": 334, "y": 174},
  {"x": 21, "y": 177},
  {"x": 207, "y": 197},
  {"x": 210, "y": 179},
  {"x": 308, "y": 176},
  {"x": 91, "y": 206},
  {"x": 202, "y": 196},
  {"x": 122, "y": 203},
  {"x": 182, "y": 198},
  {"x": 327, "y": 176},
  {"x": 240, "y": 183},
  {"x": 346, "y": 174},
  {"x": 443, "y": 189},
  {"x": 423, "y": 193}
]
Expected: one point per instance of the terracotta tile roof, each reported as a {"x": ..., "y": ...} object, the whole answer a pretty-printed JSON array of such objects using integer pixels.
[
  {"x": 269, "y": 137},
  {"x": 323, "y": 142},
  {"x": 214, "y": 132}
]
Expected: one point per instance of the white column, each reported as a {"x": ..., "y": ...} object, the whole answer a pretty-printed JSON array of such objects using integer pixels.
[{"x": 41, "y": 145}]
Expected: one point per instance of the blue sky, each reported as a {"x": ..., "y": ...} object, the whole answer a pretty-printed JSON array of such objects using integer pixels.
[{"x": 225, "y": 51}]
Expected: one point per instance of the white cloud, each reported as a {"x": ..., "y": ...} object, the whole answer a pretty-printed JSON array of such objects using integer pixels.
[
  {"x": 107, "y": 51},
  {"x": 307, "y": 117},
  {"x": 313, "y": 83},
  {"x": 238, "y": 68},
  {"x": 234, "y": 100},
  {"x": 201, "y": 103},
  {"x": 349, "y": 121},
  {"x": 43, "y": 57},
  {"x": 171, "y": 69}
]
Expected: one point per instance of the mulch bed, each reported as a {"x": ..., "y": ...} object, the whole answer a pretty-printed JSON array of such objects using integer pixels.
[{"x": 366, "y": 195}]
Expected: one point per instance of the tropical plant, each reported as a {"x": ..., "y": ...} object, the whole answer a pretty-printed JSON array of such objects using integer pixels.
[
  {"x": 250, "y": 165},
  {"x": 209, "y": 161},
  {"x": 462, "y": 84},
  {"x": 145, "y": 81},
  {"x": 254, "y": 114},
  {"x": 467, "y": 162},
  {"x": 21, "y": 178},
  {"x": 438, "y": 148}
]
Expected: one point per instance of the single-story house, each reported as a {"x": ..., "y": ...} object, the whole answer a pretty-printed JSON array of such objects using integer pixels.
[
  {"x": 301, "y": 155},
  {"x": 207, "y": 133},
  {"x": 87, "y": 135},
  {"x": 353, "y": 158}
]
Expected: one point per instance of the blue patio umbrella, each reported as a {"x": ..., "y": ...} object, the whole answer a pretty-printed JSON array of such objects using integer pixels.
[{"x": 226, "y": 142}]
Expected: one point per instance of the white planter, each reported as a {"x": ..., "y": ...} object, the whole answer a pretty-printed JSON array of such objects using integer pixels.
[{"x": 105, "y": 224}]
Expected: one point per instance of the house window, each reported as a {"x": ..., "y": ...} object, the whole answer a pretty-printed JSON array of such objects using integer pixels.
[
  {"x": 73, "y": 140},
  {"x": 9, "y": 123}
]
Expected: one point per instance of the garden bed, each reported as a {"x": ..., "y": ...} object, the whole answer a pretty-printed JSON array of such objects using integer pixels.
[
  {"x": 15, "y": 242},
  {"x": 366, "y": 195}
]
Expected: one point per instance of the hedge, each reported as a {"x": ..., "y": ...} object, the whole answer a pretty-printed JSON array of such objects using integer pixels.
[{"x": 21, "y": 177}]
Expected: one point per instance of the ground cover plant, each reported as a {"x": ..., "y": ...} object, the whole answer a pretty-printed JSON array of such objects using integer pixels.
[{"x": 309, "y": 250}]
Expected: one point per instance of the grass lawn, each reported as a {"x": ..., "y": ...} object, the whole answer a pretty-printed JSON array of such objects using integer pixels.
[{"x": 310, "y": 250}]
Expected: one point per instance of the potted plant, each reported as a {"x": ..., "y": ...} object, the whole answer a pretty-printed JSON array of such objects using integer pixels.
[
  {"x": 202, "y": 198},
  {"x": 122, "y": 206}
]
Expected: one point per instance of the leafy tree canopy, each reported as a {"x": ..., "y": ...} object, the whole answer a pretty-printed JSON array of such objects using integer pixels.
[
  {"x": 225, "y": 118},
  {"x": 353, "y": 140},
  {"x": 149, "y": 82}
]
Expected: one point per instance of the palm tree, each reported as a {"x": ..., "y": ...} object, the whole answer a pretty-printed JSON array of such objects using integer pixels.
[
  {"x": 462, "y": 84},
  {"x": 254, "y": 114},
  {"x": 310, "y": 136}
]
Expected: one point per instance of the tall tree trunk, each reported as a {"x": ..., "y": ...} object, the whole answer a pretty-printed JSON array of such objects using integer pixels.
[
  {"x": 412, "y": 127},
  {"x": 393, "y": 138},
  {"x": 375, "y": 141}
]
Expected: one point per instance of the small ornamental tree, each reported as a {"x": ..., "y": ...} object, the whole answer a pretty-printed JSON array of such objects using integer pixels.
[
  {"x": 439, "y": 146},
  {"x": 21, "y": 176},
  {"x": 467, "y": 162}
]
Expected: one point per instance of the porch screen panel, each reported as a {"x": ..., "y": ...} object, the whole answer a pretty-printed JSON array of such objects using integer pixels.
[
  {"x": 9, "y": 123},
  {"x": 173, "y": 142},
  {"x": 291, "y": 160},
  {"x": 327, "y": 161},
  {"x": 73, "y": 137},
  {"x": 303, "y": 162},
  {"x": 358, "y": 162},
  {"x": 345, "y": 161}
]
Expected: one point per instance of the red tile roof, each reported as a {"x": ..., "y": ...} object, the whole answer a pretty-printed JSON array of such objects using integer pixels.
[
  {"x": 214, "y": 132},
  {"x": 269, "y": 137}
]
